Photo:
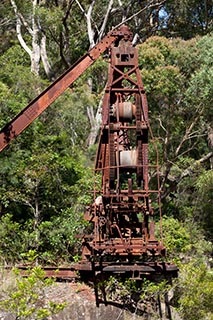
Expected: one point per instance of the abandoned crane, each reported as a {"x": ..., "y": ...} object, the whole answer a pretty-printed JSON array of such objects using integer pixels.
[{"x": 122, "y": 240}]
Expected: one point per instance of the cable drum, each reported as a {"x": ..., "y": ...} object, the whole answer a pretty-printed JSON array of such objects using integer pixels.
[
  {"x": 128, "y": 158},
  {"x": 126, "y": 111}
]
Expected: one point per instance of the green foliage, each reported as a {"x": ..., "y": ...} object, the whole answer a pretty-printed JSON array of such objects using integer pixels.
[
  {"x": 154, "y": 290},
  {"x": 15, "y": 72},
  {"x": 190, "y": 251},
  {"x": 176, "y": 236},
  {"x": 186, "y": 18},
  {"x": 203, "y": 201},
  {"x": 120, "y": 290},
  {"x": 183, "y": 239},
  {"x": 177, "y": 78},
  {"x": 195, "y": 291},
  {"x": 155, "y": 52},
  {"x": 47, "y": 195},
  {"x": 17, "y": 83},
  {"x": 11, "y": 244},
  {"x": 58, "y": 242},
  {"x": 125, "y": 289},
  {"x": 143, "y": 296},
  {"x": 97, "y": 74},
  {"x": 28, "y": 299}
]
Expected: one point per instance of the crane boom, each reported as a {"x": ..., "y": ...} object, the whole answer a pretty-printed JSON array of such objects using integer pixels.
[
  {"x": 122, "y": 240},
  {"x": 12, "y": 129}
]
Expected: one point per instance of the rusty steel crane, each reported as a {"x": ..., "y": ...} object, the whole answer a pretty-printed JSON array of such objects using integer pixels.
[{"x": 122, "y": 240}]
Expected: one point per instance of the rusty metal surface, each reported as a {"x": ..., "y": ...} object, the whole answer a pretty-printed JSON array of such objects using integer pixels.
[
  {"x": 61, "y": 273},
  {"x": 122, "y": 214},
  {"x": 137, "y": 271},
  {"x": 87, "y": 270}
]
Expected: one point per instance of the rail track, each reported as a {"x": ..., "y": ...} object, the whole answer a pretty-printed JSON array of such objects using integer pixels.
[{"x": 87, "y": 271}]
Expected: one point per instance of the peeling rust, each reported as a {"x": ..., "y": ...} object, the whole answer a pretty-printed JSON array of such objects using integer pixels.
[{"x": 122, "y": 214}]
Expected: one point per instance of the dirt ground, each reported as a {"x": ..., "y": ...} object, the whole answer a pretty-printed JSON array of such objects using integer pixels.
[{"x": 81, "y": 304}]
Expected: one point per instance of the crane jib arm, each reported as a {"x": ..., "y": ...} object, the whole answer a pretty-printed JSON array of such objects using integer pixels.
[{"x": 12, "y": 129}]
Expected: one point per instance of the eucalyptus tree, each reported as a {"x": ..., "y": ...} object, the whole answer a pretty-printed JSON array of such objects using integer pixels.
[
  {"x": 177, "y": 76},
  {"x": 42, "y": 172},
  {"x": 45, "y": 26},
  {"x": 187, "y": 18}
]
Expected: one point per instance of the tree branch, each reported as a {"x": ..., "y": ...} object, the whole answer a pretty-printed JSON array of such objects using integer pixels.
[
  {"x": 25, "y": 24},
  {"x": 4, "y": 22},
  {"x": 90, "y": 30},
  {"x": 106, "y": 17},
  {"x": 18, "y": 29},
  {"x": 187, "y": 133},
  {"x": 67, "y": 12},
  {"x": 140, "y": 11},
  {"x": 89, "y": 19},
  {"x": 187, "y": 172}
]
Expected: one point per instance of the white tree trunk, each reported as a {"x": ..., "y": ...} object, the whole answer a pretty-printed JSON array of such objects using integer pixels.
[
  {"x": 18, "y": 29},
  {"x": 38, "y": 39},
  {"x": 101, "y": 32},
  {"x": 36, "y": 52},
  {"x": 44, "y": 57},
  {"x": 95, "y": 122}
]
